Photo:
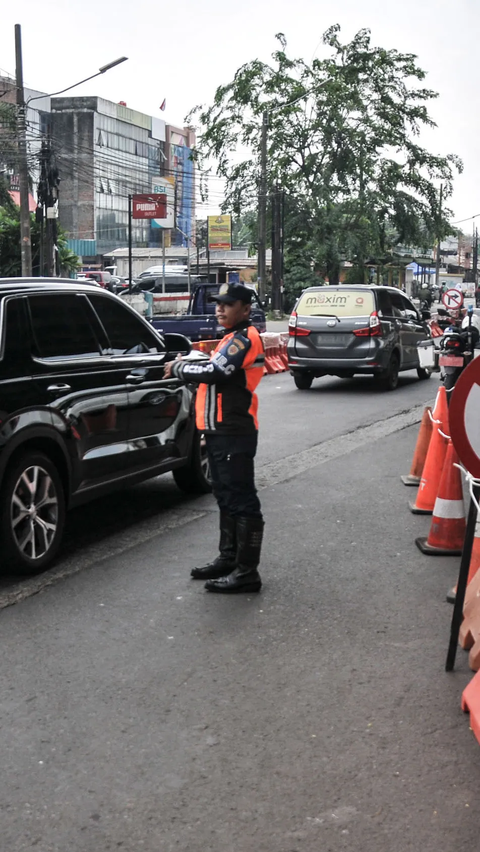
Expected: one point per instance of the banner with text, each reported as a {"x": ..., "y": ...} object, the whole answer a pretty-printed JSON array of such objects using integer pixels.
[{"x": 220, "y": 232}]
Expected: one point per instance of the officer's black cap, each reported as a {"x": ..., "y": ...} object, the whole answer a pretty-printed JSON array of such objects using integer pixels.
[{"x": 230, "y": 293}]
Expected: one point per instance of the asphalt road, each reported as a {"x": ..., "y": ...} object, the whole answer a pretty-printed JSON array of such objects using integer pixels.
[{"x": 140, "y": 713}]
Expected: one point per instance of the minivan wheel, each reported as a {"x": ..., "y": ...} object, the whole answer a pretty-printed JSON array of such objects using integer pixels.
[
  {"x": 32, "y": 513},
  {"x": 423, "y": 374},
  {"x": 194, "y": 477},
  {"x": 303, "y": 381},
  {"x": 388, "y": 379}
]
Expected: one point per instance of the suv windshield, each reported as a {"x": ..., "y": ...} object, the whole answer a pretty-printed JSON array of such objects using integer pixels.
[{"x": 339, "y": 303}]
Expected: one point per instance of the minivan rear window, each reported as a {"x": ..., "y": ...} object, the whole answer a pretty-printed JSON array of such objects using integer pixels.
[{"x": 339, "y": 303}]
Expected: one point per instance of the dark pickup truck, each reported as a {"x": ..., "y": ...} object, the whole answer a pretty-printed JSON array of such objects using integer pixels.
[{"x": 199, "y": 323}]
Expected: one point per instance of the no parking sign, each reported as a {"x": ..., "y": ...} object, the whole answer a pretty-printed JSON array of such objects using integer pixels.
[{"x": 453, "y": 299}]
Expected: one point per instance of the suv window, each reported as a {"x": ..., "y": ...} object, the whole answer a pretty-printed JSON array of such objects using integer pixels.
[
  {"x": 61, "y": 328},
  {"x": 410, "y": 310},
  {"x": 14, "y": 338},
  {"x": 398, "y": 304},
  {"x": 384, "y": 303},
  {"x": 127, "y": 334},
  {"x": 340, "y": 302}
]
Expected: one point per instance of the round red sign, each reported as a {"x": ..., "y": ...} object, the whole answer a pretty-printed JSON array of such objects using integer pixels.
[
  {"x": 464, "y": 417},
  {"x": 453, "y": 299}
]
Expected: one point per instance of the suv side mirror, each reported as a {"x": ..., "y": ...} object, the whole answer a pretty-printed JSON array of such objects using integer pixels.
[
  {"x": 176, "y": 344},
  {"x": 426, "y": 315}
]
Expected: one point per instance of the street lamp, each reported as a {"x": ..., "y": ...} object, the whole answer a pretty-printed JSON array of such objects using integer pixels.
[
  {"x": 25, "y": 237},
  {"x": 74, "y": 86}
]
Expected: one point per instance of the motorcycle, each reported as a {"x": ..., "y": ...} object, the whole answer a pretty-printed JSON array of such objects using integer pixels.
[{"x": 457, "y": 347}]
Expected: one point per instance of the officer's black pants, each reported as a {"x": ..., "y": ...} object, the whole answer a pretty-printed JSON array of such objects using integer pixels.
[{"x": 232, "y": 470}]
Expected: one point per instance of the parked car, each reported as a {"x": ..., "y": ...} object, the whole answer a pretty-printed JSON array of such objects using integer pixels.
[
  {"x": 84, "y": 409},
  {"x": 344, "y": 330},
  {"x": 118, "y": 285},
  {"x": 102, "y": 278},
  {"x": 200, "y": 322}
]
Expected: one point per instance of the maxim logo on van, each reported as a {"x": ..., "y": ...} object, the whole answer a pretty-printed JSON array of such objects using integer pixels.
[{"x": 324, "y": 299}]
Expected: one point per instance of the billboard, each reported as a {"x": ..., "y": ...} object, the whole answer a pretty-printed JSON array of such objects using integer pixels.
[
  {"x": 220, "y": 232},
  {"x": 152, "y": 206},
  {"x": 165, "y": 186}
]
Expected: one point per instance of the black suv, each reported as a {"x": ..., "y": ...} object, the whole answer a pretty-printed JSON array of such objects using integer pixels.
[
  {"x": 343, "y": 330},
  {"x": 84, "y": 409}
]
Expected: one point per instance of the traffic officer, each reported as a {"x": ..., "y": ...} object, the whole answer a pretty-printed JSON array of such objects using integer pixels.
[{"x": 226, "y": 413}]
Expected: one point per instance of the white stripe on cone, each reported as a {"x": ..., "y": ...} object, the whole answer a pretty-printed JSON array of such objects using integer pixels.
[{"x": 451, "y": 509}]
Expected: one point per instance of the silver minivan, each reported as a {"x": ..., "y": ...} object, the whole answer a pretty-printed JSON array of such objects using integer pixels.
[{"x": 343, "y": 330}]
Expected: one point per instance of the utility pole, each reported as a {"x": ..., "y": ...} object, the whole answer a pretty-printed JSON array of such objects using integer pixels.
[
  {"x": 475, "y": 258},
  {"x": 276, "y": 252},
  {"x": 130, "y": 275},
  {"x": 25, "y": 238},
  {"x": 437, "y": 259},
  {"x": 262, "y": 212}
]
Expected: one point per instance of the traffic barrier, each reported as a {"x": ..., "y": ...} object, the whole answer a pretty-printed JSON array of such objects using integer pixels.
[
  {"x": 206, "y": 346},
  {"x": 273, "y": 362},
  {"x": 469, "y": 636},
  {"x": 447, "y": 531},
  {"x": 421, "y": 448},
  {"x": 474, "y": 562},
  {"x": 437, "y": 450},
  {"x": 471, "y": 704},
  {"x": 275, "y": 345}
]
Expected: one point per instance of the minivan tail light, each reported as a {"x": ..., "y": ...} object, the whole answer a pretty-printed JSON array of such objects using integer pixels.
[
  {"x": 294, "y": 330},
  {"x": 373, "y": 329}
]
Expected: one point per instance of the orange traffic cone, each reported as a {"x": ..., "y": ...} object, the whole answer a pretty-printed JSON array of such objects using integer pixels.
[
  {"x": 421, "y": 448},
  {"x": 448, "y": 523},
  {"x": 432, "y": 469}
]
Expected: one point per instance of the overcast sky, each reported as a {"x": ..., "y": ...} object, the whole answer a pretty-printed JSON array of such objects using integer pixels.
[{"x": 181, "y": 51}]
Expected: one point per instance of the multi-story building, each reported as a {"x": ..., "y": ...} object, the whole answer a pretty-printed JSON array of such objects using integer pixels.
[
  {"x": 106, "y": 152},
  {"x": 180, "y": 165}
]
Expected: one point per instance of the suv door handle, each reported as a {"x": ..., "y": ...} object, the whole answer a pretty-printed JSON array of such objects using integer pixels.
[
  {"x": 60, "y": 388},
  {"x": 137, "y": 378}
]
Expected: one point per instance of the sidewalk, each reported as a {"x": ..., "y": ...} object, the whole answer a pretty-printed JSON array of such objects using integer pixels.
[{"x": 315, "y": 717}]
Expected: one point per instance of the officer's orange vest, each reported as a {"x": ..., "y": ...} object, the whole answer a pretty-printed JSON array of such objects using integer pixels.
[{"x": 231, "y": 407}]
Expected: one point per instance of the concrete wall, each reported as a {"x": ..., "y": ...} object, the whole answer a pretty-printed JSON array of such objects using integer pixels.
[{"x": 72, "y": 134}]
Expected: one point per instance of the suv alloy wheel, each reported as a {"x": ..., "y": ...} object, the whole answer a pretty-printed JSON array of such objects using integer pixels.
[
  {"x": 194, "y": 478},
  {"x": 32, "y": 514}
]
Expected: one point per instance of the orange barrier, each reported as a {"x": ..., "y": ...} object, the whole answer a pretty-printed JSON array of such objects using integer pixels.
[
  {"x": 205, "y": 345},
  {"x": 273, "y": 361},
  {"x": 474, "y": 563},
  {"x": 275, "y": 345},
  {"x": 421, "y": 448},
  {"x": 469, "y": 636},
  {"x": 437, "y": 449},
  {"x": 447, "y": 531},
  {"x": 471, "y": 704}
]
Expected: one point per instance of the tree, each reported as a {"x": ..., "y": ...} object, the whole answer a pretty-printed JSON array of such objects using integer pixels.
[
  {"x": 342, "y": 142},
  {"x": 10, "y": 257}
]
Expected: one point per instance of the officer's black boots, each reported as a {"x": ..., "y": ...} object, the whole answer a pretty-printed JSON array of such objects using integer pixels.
[
  {"x": 245, "y": 577},
  {"x": 226, "y": 561}
]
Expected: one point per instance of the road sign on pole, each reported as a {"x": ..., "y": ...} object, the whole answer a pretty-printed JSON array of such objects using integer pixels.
[
  {"x": 453, "y": 299},
  {"x": 464, "y": 417},
  {"x": 464, "y": 423}
]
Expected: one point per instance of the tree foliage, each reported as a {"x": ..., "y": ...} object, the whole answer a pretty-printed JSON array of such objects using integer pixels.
[
  {"x": 343, "y": 142},
  {"x": 10, "y": 255}
]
